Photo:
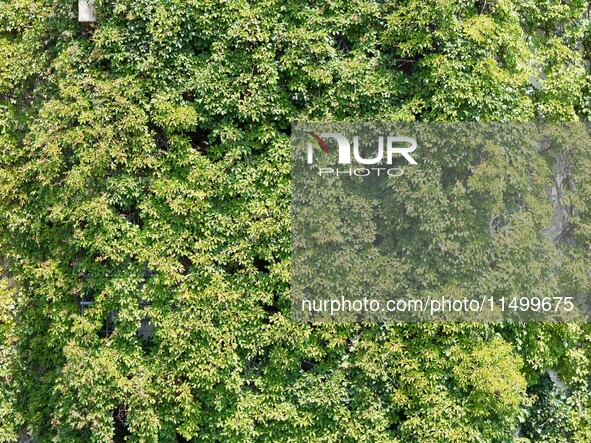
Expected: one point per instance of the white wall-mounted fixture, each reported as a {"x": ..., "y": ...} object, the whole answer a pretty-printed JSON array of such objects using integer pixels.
[{"x": 86, "y": 12}]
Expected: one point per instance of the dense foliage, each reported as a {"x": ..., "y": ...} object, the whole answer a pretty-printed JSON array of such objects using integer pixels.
[{"x": 144, "y": 166}]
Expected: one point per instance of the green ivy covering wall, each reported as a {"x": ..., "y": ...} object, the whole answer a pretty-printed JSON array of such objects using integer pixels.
[{"x": 145, "y": 166}]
